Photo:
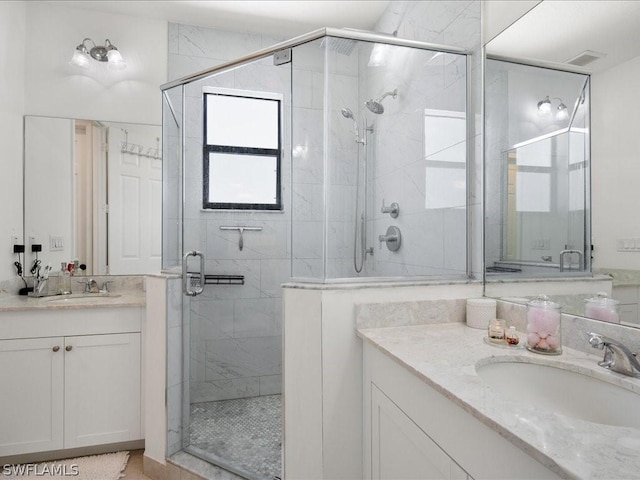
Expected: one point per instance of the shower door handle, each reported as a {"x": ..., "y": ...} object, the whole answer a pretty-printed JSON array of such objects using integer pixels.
[{"x": 186, "y": 276}]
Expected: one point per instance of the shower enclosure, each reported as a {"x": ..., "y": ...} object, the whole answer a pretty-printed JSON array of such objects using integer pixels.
[{"x": 336, "y": 156}]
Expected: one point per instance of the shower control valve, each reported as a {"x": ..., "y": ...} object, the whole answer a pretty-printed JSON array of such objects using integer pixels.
[
  {"x": 393, "y": 238},
  {"x": 393, "y": 209}
]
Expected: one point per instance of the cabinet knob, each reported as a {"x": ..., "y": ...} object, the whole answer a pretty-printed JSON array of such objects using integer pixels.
[
  {"x": 56, "y": 348},
  {"x": 68, "y": 348}
]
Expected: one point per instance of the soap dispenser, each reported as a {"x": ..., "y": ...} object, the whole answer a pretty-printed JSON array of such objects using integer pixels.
[{"x": 64, "y": 282}]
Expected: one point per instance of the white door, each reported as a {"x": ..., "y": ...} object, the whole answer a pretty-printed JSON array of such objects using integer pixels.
[
  {"x": 31, "y": 402},
  {"x": 102, "y": 397},
  {"x": 135, "y": 201}
]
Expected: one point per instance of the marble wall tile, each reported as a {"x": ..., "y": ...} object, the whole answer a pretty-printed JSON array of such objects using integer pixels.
[
  {"x": 378, "y": 315},
  {"x": 243, "y": 357},
  {"x": 212, "y": 319},
  {"x": 259, "y": 317},
  {"x": 174, "y": 419},
  {"x": 307, "y": 239},
  {"x": 308, "y": 165},
  {"x": 271, "y": 385},
  {"x": 307, "y": 203},
  {"x": 214, "y": 43},
  {"x": 174, "y": 356},
  {"x": 307, "y": 268},
  {"x": 225, "y": 389},
  {"x": 273, "y": 273}
]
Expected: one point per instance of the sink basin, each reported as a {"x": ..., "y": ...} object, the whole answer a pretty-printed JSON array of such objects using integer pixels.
[
  {"x": 80, "y": 298},
  {"x": 566, "y": 392}
]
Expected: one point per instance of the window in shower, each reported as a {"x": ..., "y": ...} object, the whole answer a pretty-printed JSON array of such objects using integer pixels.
[{"x": 242, "y": 150}]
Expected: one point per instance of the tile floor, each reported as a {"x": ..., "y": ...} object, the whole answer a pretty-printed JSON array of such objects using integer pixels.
[{"x": 244, "y": 433}]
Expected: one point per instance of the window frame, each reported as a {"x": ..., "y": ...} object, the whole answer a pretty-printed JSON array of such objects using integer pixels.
[{"x": 207, "y": 149}]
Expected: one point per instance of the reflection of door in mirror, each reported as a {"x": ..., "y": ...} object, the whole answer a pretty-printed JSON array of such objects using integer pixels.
[
  {"x": 135, "y": 199},
  {"x": 93, "y": 194}
]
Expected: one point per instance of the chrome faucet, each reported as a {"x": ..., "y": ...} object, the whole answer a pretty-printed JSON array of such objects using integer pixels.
[
  {"x": 617, "y": 357},
  {"x": 90, "y": 286},
  {"x": 569, "y": 252}
]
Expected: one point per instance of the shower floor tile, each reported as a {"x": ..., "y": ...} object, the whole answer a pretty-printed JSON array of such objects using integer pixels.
[{"x": 245, "y": 434}]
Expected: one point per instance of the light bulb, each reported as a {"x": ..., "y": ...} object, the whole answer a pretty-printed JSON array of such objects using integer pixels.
[
  {"x": 544, "y": 106},
  {"x": 562, "y": 113},
  {"x": 80, "y": 59},
  {"x": 115, "y": 60}
]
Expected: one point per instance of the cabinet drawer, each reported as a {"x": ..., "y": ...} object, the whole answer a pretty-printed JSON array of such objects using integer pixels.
[{"x": 68, "y": 322}]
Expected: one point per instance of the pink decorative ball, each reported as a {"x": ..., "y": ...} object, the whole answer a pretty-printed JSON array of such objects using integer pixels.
[
  {"x": 553, "y": 341},
  {"x": 533, "y": 339}
]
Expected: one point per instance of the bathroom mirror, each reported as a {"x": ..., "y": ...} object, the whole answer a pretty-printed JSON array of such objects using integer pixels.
[
  {"x": 600, "y": 39},
  {"x": 93, "y": 193}
]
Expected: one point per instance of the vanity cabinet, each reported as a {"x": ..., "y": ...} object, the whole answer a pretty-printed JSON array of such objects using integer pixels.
[
  {"x": 412, "y": 430},
  {"x": 79, "y": 389},
  {"x": 402, "y": 450}
]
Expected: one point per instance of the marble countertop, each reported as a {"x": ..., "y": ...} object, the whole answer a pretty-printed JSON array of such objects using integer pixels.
[
  {"x": 445, "y": 356},
  {"x": 16, "y": 303}
]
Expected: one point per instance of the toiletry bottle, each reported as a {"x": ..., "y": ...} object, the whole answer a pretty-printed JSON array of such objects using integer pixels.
[{"x": 64, "y": 282}]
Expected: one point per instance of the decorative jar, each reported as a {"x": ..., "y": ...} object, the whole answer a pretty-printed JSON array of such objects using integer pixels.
[{"x": 543, "y": 326}]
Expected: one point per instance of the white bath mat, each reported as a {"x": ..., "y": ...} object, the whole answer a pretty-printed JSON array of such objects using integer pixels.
[{"x": 109, "y": 466}]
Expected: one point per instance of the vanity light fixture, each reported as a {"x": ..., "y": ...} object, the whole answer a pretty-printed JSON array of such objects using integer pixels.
[
  {"x": 544, "y": 106},
  {"x": 561, "y": 112},
  {"x": 107, "y": 53}
]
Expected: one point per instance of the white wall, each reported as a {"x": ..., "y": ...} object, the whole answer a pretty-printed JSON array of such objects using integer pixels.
[
  {"x": 615, "y": 145},
  {"x": 37, "y": 41},
  {"x": 12, "y": 31},
  {"x": 55, "y": 88}
]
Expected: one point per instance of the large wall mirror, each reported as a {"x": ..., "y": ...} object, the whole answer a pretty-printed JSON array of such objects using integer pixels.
[
  {"x": 93, "y": 193},
  {"x": 597, "y": 44}
]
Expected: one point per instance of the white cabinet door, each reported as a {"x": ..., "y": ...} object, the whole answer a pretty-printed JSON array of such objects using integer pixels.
[
  {"x": 102, "y": 383},
  {"x": 401, "y": 449},
  {"x": 31, "y": 402}
]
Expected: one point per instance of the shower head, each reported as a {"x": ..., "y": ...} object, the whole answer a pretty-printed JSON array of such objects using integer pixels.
[
  {"x": 347, "y": 113},
  {"x": 375, "y": 106}
]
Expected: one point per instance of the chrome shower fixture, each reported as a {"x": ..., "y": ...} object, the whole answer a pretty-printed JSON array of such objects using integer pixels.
[
  {"x": 375, "y": 106},
  {"x": 347, "y": 113}
]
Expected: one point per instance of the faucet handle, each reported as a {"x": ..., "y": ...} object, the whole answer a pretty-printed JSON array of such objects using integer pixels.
[
  {"x": 105, "y": 286},
  {"x": 393, "y": 209},
  {"x": 596, "y": 340}
]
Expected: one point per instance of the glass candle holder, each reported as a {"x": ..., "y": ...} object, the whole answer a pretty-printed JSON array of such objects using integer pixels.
[
  {"x": 496, "y": 330},
  {"x": 543, "y": 326}
]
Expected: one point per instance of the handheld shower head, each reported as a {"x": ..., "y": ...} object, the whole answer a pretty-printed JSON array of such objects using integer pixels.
[
  {"x": 347, "y": 113},
  {"x": 375, "y": 106}
]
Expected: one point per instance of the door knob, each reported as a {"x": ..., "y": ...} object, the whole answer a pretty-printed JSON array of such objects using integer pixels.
[{"x": 68, "y": 348}]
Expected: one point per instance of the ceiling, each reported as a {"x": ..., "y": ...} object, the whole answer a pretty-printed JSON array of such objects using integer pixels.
[
  {"x": 287, "y": 18},
  {"x": 557, "y": 31}
]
